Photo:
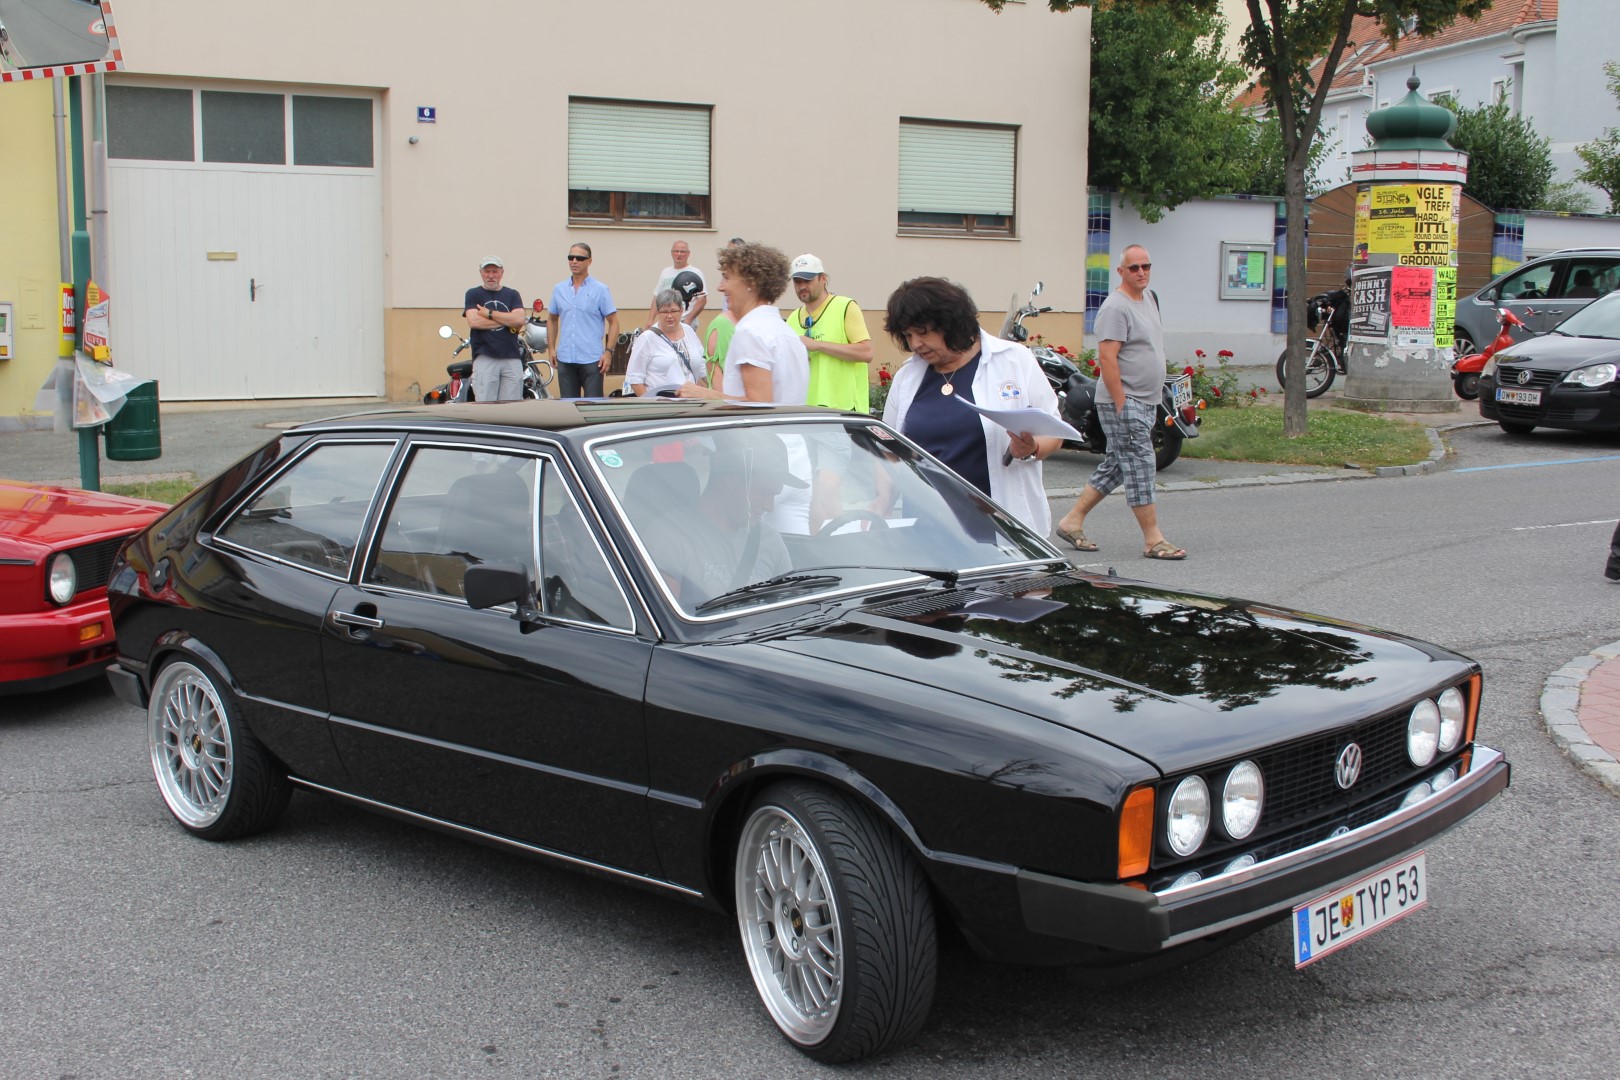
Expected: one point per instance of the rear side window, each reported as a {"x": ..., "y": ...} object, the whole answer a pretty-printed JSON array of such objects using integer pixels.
[
  {"x": 313, "y": 512},
  {"x": 1590, "y": 278}
]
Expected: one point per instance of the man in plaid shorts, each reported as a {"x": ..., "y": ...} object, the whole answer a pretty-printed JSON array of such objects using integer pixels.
[{"x": 1130, "y": 356}]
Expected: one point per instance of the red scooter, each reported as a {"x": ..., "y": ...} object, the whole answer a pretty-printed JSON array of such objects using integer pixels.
[{"x": 1465, "y": 372}]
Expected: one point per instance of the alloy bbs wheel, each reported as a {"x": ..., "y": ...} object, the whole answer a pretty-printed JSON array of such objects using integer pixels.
[
  {"x": 791, "y": 931},
  {"x": 191, "y": 741}
]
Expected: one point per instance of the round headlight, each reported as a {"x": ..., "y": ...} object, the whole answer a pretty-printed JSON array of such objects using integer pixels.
[
  {"x": 1423, "y": 732},
  {"x": 1191, "y": 877},
  {"x": 1451, "y": 719},
  {"x": 1417, "y": 795},
  {"x": 61, "y": 579},
  {"x": 1240, "y": 799},
  {"x": 1188, "y": 822},
  {"x": 1242, "y": 862}
]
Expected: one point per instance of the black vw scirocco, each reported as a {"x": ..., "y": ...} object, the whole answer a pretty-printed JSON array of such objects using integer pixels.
[{"x": 783, "y": 663}]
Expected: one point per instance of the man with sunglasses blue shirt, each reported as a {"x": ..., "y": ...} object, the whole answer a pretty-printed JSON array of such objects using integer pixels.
[
  {"x": 582, "y": 325},
  {"x": 835, "y": 333}
]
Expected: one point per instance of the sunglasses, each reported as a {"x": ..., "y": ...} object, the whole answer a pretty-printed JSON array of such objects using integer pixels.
[
  {"x": 1134, "y": 267},
  {"x": 579, "y": 258}
]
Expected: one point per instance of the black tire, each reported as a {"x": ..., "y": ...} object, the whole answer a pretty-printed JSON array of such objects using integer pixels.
[
  {"x": 1319, "y": 370},
  {"x": 865, "y": 982},
  {"x": 1513, "y": 428},
  {"x": 1467, "y": 385},
  {"x": 214, "y": 776},
  {"x": 1166, "y": 446}
]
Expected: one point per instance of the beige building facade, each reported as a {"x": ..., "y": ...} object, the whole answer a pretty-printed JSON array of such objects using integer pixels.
[{"x": 298, "y": 193}]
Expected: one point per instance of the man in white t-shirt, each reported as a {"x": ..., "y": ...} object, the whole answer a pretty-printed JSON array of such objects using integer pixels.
[{"x": 679, "y": 276}]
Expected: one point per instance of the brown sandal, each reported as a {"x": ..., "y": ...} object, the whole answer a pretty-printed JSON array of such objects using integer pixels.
[
  {"x": 1164, "y": 549},
  {"x": 1076, "y": 539}
]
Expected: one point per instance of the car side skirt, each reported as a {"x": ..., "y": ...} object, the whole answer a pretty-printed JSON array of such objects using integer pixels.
[{"x": 494, "y": 840}]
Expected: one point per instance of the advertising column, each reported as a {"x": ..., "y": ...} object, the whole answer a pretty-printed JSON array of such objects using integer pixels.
[{"x": 1404, "y": 273}]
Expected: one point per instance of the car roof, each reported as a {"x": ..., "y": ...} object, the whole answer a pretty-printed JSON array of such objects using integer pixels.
[{"x": 564, "y": 417}]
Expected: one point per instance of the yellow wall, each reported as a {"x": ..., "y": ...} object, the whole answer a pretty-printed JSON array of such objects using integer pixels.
[{"x": 30, "y": 271}]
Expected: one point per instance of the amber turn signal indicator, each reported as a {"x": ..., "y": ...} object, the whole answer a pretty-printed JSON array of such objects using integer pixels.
[
  {"x": 1136, "y": 833},
  {"x": 1474, "y": 682}
]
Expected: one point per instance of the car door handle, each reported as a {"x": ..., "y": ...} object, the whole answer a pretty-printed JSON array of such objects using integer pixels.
[{"x": 354, "y": 618}]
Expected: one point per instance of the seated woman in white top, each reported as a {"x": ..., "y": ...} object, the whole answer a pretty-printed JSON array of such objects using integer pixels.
[{"x": 668, "y": 355}]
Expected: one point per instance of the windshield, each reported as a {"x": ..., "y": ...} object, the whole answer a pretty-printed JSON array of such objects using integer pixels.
[
  {"x": 805, "y": 507},
  {"x": 1600, "y": 319}
]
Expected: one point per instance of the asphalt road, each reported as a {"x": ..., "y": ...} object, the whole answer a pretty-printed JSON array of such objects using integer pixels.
[{"x": 344, "y": 944}]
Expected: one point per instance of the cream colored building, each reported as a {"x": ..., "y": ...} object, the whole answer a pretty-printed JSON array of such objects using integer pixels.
[{"x": 299, "y": 192}]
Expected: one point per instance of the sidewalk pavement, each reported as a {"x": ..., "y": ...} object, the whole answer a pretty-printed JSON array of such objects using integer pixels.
[{"x": 1580, "y": 703}]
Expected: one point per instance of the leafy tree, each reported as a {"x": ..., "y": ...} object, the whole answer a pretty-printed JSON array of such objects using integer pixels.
[
  {"x": 1162, "y": 128},
  {"x": 1602, "y": 155},
  {"x": 1264, "y": 172},
  {"x": 1283, "y": 41},
  {"x": 1509, "y": 166}
]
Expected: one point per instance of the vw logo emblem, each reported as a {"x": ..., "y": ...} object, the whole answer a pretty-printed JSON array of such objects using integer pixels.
[
  {"x": 1348, "y": 768},
  {"x": 1524, "y": 376}
]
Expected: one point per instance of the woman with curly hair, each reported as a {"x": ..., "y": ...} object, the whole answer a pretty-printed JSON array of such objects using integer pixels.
[{"x": 766, "y": 361}]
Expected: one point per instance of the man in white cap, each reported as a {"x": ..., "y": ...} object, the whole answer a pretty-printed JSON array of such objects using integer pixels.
[
  {"x": 495, "y": 314},
  {"x": 835, "y": 334}
]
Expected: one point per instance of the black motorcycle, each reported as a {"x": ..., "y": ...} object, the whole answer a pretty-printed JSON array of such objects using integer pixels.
[
  {"x": 537, "y": 371},
  {"x": 1176, "y": 419},
  {"x": 1328, "y": 314}
]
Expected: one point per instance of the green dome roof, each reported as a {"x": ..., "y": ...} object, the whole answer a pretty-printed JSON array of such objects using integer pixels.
[{"x": 1412, "y": 123}]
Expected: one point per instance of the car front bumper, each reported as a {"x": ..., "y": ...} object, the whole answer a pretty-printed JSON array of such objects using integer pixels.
[
  {"x": 44, "y": 649},
  {"x": 1568, "y": 407},
  {"x": 1133, "y": 920}
]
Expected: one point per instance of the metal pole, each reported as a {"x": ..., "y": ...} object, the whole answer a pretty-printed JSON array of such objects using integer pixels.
[{"x": 89, "y": 437}]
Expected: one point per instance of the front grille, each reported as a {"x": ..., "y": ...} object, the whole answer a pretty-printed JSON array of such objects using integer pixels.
[
  {"x": 93, "y": 562},
  {"x": 1508, "y": 378},
  {"x": 1300, "y": 780}
]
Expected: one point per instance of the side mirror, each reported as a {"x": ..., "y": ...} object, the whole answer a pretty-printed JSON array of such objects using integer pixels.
[
  {"x": 446, "y": 332},
  {"x": 493, "y": 584},
  {"x": 1036, "y": 291}
]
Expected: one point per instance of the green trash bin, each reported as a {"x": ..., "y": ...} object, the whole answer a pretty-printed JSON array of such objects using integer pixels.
[{"x": 135, "y": 434}]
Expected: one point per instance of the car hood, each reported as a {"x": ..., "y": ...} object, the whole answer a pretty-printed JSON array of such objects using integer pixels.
[
  {"x": 42, "y": 517},
  {"x": 1554, "y": 352},
  {"x": 1176, "y": 678}
]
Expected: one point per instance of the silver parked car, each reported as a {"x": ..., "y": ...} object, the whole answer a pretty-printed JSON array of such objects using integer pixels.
[{"x": 1543, "y": 292}]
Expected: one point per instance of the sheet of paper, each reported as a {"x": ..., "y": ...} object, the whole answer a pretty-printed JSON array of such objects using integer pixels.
[{"x": 1032, "y": 421}]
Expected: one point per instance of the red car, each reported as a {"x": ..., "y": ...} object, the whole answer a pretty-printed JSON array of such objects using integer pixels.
[{"x": 56, "y": 550}]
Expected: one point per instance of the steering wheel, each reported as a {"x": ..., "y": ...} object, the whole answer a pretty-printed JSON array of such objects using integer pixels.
[{"x": 858, "y": 514}]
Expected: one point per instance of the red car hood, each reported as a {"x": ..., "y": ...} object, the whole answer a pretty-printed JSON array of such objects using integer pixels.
[{"x": 44, "y": 517}]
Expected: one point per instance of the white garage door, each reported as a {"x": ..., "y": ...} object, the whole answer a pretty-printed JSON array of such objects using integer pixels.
[{"x": 246, "y": 242}]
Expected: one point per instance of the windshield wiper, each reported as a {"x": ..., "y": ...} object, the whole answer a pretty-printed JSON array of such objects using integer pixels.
[
  {"x": 771, "y": 584},
  {"x": 811, "y": 576}
]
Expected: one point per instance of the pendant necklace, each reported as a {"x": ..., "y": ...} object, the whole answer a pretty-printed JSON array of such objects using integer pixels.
[{"x": 945, "y": 386}]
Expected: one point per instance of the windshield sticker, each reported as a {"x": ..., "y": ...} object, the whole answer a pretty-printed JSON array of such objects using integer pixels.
[{"x": 610, "y": 459}]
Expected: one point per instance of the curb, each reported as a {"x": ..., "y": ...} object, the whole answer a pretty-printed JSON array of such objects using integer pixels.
[
  {"x": 1560, "y": 711},
  {"x": 1437, "y": 454}
]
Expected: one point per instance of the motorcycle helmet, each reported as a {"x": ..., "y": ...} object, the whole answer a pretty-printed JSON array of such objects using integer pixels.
[
  {"x": 688, "y": 284},
  {"x": 534, "y": 334}
]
